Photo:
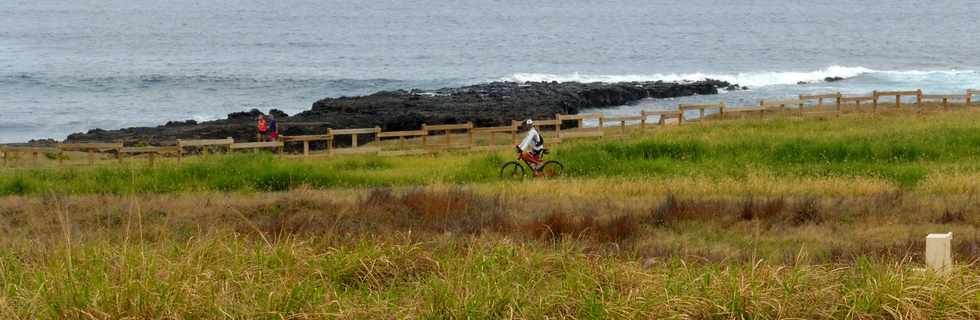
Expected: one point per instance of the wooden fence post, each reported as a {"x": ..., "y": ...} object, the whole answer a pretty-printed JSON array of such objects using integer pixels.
[
  {"x": 945, "y": 104},
  {"x": 918, "y": 98},
  {"x": 449, "y": 138},
  {"x": 837, "y": 107},
  {"x": 558, "y": 126},
  {"x": 329, "y": 141},
  {"x": 874, "y": 100},
  {"x": 969, "y": 97},
  {"x": 425, "y": 134},
  {"x": 721, "y": 110},
  {"x": 513, "y": 131}
]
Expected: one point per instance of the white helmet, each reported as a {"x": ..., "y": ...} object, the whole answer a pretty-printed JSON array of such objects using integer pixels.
[{"x": 529, "y": 122}]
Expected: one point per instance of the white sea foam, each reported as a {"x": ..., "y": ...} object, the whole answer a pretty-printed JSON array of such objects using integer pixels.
[{"x": 751, "y": 79}]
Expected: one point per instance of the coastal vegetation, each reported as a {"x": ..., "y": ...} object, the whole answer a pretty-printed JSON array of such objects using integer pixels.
[{"x": 777, "y": 218}]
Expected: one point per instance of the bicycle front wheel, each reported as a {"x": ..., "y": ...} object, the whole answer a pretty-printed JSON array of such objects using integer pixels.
[
  {"x": 552, "y": 169},
  {"x": 512, "y": 170}
]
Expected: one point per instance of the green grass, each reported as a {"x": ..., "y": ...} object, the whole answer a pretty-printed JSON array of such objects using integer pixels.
[{"x": 902, "y": 149}]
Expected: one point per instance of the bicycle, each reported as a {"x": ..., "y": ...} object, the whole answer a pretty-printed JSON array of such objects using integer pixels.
[{"x": 514, "y": 169}]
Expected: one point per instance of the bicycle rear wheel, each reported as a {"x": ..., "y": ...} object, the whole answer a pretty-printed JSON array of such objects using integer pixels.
[
  {"x": 512, "y": 170},
  {"x": 552, "y": 169}
]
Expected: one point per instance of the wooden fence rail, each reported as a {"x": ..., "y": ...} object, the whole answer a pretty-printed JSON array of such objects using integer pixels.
[
  {"x": 492, "y": 132},
  {"x": 447, "y": 129},
  {"x": 152, "y": 152},
  {"x": 945, "y": 98},
  {"x": 664, "y": 115},
  {"x": 622, "y": 122},
  {"x": 355, "y": 148},
  {"x": 898, "y": 97},
  {"x": 275, "y": 145},
  {"x": 857, "y": 101},
  {"x": 203, "y": 144},
  {"x": 835, "y": 96},
  {"x": 580, "y": 131},
  {"x": 700, "y": 107},
  {"x": 780, "y": 105},
  {"x": 9, "y": 152},
  {"x": 306, "y": 139},
  {"x": 92, "y": 148}
]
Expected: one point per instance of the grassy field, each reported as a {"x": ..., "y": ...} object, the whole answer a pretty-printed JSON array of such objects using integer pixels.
[
  {"x": 781, "y": 218},
  {"x": 906, "y": 151}
]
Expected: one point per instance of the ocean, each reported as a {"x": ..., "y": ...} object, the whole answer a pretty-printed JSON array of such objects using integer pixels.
[{"x": 71, "y": 66}]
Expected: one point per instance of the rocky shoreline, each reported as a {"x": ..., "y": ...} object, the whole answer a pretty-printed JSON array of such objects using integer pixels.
[{"x": 489, "y": 104}]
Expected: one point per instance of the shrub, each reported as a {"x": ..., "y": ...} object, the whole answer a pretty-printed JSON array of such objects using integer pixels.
[
  {"x": 807, "y": 211},
  {"x": 557, "y": 225}
]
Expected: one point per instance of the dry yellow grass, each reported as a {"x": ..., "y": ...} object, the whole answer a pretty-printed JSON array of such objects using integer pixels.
[{"x": 445, "y": 252}]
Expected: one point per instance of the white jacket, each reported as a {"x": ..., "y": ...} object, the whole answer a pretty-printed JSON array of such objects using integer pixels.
[{"x": 533, "y": 140}]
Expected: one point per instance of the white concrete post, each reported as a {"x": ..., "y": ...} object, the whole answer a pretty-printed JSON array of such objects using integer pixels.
[{"x": 939, "y": 256}]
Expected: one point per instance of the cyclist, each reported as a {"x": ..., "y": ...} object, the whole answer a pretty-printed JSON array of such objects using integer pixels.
[{"x": 532, "y": 147}]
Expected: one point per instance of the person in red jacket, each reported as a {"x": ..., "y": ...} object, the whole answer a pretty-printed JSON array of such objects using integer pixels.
[{"x": 263, "y": 127}]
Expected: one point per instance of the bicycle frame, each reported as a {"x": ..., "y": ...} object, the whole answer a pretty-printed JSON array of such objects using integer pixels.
[{"x": 526, "y": 161}]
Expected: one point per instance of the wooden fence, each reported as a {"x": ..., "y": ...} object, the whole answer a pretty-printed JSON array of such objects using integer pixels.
[
  {"x": 701, "y": 108},
  {"x": 355, "y": 147},
  {"x": 436, "y": 138},
  {"x": 898, "y": 97},
  {"x": 579, "y": 130}
]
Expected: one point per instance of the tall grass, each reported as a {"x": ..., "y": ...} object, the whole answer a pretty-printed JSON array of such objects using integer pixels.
[
  {"x": 228, "y": 276},
  {"x": 449, "y": 252}
]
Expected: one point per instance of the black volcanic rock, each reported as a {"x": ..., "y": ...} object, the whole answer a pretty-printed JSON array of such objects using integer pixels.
[
  {"x": 832, "y": 79},
  {"x": 248, "y": 115},
  {"x": 278, "y": 113},
  {"x": 489, "y": 104},
  {"x": 180, "y": 123}
]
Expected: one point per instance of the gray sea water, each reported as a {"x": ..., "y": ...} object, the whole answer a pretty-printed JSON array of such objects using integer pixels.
[{"x": 69, "y": 66}]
